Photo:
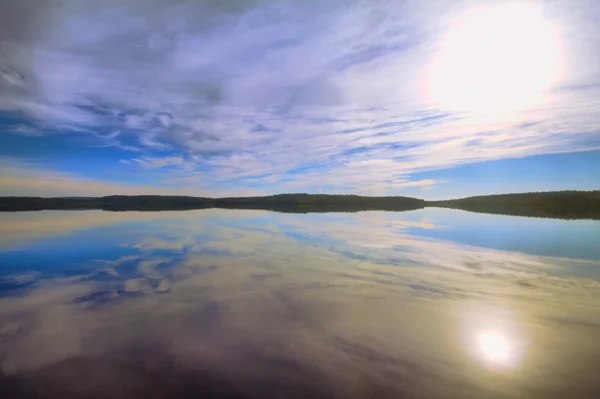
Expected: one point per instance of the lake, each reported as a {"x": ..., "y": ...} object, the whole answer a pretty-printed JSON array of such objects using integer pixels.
[{"x": 433, "y": 303}]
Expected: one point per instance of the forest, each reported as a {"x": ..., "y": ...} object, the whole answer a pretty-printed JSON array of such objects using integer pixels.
[
  {"x": 557, "y": 204},
  {"x": 552, "y": 204}
]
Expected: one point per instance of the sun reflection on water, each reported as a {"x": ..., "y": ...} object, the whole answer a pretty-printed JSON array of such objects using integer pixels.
[
  {"x": 494, "y": 337},
  {"x": 494, "y": 346}
]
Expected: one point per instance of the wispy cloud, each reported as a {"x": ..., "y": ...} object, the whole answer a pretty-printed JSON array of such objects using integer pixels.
[
  {"x": 286, "y": 91},
  {"x": 17, "y": 178}
]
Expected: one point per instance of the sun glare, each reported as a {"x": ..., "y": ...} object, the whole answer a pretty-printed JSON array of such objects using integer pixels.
[
  {"x": 494, "y": 346},
  {"x": 496, "y": 59}
]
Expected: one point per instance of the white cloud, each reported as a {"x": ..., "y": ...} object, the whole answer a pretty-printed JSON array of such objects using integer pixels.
[
  {"x": 18, "y": 178},
  {"x": 26, "y": 130},
  {"x": 256, "y": 88},
  {"x": 154, "y": 163}
]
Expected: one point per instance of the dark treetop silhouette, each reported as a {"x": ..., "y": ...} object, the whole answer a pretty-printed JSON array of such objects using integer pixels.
[{"x": 559, "y": 204}]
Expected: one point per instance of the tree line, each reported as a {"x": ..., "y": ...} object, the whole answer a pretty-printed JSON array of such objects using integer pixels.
[{"x": 554, "y": 204}]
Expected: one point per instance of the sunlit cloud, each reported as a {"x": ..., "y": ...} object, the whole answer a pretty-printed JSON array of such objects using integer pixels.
[
  {"x": 497, "y": 59},
  {"x": 290, "y": 91}
]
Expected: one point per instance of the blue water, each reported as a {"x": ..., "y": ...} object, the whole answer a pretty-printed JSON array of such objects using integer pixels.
[{"x": 403, "y": 299}]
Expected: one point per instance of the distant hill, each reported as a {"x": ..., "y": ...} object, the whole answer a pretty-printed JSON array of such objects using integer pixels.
[
  {"x": 558, "y": 204},
  {"x": 291, "y": 203},
  {"x": 552, "y": 204},
  {"x": 303, "y": 203}
]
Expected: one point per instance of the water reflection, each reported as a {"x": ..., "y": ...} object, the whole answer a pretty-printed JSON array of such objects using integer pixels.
[
  {"x": 494, "y": 346},
  {"x": 495, "y": 336},
  {"x": 259, "y": 304}
]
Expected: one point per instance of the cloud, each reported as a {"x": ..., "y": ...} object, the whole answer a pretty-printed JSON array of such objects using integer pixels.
[
  {"x": 26, "y": 130},
  {"x": 155, "y": 163},
  {"x": 245, "y": 89},
  {"x": 18, "y": 178}
]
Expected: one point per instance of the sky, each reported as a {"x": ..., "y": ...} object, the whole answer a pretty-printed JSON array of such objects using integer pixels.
[{"x": 216, "y": 98}]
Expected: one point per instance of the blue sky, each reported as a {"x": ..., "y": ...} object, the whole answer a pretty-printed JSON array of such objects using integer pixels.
[{"x": 217, "y": 98}]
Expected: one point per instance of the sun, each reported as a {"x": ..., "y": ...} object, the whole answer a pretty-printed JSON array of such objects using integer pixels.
[{"x": 496, "y": 59}]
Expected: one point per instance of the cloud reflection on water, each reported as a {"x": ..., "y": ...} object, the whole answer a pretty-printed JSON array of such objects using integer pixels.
[{"x": 341, "y": 305}]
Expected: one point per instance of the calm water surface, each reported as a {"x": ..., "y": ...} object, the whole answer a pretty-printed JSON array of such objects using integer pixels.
[{"x": 251, "y": 304}]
